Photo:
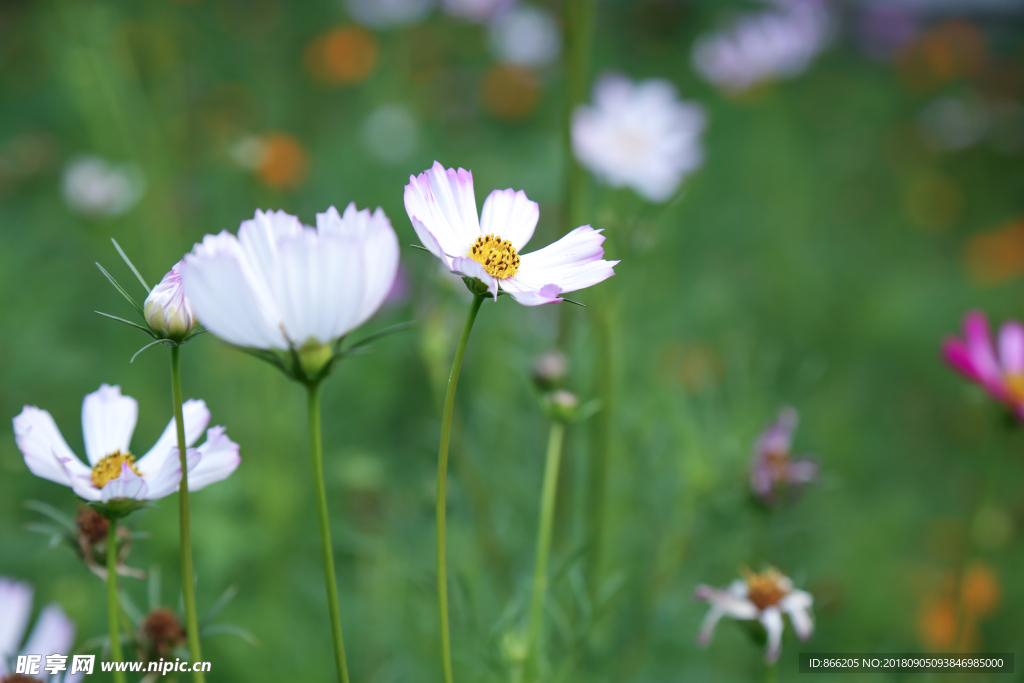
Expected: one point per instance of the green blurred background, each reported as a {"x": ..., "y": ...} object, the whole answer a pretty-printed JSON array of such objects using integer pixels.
[{"x": 816, "y": 260}]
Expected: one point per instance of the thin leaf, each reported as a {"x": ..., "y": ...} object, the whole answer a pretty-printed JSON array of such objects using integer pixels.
[
  {"x": 130, "y": 264},
  {"x": 51, "y": 512},
  {"x": 400, "y": 327},
  {"x": 421, "y": 248},
  {"x": 226, "y": 597},
  {"x": 575, "y": 303},
  {"x": 158, "y": 341},
  {"x": 120, "y": 289},
  {"x": 126, "y": 322},
  {"x": 232, "y": 630}
]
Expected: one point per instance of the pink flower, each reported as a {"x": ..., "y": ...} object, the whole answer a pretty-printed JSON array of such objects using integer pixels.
[
  {"x": 1000, "y": 371},
  {"x": 774, "y": 472}
]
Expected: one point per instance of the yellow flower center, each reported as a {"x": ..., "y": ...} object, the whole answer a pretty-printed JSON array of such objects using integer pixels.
[
  {"x": 1015, "y": 386},
  {"x": 497, "y": 256},
  {"x": 109, "y": 468},
  {"x": 766, "y": 588}
]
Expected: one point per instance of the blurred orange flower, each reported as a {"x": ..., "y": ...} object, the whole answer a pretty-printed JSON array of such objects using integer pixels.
[
  {"x": 284, "y": 164},
  {"x": 343, "y": 56},
  {"x": 949, "y": 615},
  {"x": 936, "y": 624},
  {"x": 509, "y": 92},
  {"x": 980, "y": 590},
  {"x": 996, "y": 256},
  {"x": 949, "y": 51}
]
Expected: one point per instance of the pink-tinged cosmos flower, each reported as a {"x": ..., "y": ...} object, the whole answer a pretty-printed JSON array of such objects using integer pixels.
[
  {"x": 281, "y": 285},
  {"x": 763, "y": 597},
  {"x": 639, "y": 135},
  {"x": 1000, "y": 371},
  {"x": 113, "y": 473},
  {"x": 53, "y": 633},
  {"x": 442, "y": 207},
  {"x": 167, "y": 309},
  {"x": 774, "y": 473}
]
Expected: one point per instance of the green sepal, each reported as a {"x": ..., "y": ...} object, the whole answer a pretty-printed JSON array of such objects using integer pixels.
[{"x": 118, "y": 508}]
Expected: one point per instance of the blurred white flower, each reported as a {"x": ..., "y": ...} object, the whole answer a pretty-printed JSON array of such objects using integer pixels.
[
  {"x": 774, "y": 44},
  {"x": 53, "y": 633},
  {"x": 389, "y": 13},
  {"x": 954, "y": 123},
  {"x": 476, "y": 10},
  {"x": 96, "y": 187},
  {"x": 527, "y": 36},
  {"x": 391, "y": 133},
  {"x": 249, "y": 152},
  {"x": 167, "y": 309},
  {"x": 639, "y": 135}
]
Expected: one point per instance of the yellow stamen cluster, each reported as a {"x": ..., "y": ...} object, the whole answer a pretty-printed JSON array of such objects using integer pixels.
[
  {"x": 766, "y": 588},
  {"x": 109, "y": 468},
  {"x": 497, "y": 256}
]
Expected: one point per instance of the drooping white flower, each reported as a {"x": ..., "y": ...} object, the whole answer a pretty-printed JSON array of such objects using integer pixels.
[
  {"x": 167, "y": 309},
  {"x": 525, "y": 35},
  {"x": 281, "y": 285},
  {"x": 442, "y": 207},
  {"x": 113, "y": 473},
  {"x": 95, "y": 187},
  {"x": 763, "y": 597},
  {"x": 639, "y": 135},
  {"x": 774, "y": 44},
  {"x": 53, "y": 634}
]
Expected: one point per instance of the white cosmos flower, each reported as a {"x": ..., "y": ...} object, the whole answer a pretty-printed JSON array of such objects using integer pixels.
[
  {"x": 639, "y": 135},
  {"x": 108, "y": 421},
  {"x": 282, "y": 285},
  {"x": 764, "y": 597},
  {"x": 53, "y": 633},
  {"x": 95, "y": 187},
  {"x": 442, "y": 208}
]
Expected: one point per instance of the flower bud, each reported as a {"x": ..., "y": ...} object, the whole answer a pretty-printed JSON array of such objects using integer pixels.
[
  {"x": 550, "y": 369},
  {"x": 561, "y": 405},
  {"x": 167, "y": 310}
]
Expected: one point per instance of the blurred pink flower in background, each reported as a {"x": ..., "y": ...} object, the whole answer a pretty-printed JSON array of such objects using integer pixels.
[
  {"x": 639, "y": 135},
  {"x": 759, "y": 47},
  {"x": 53, "y": 633},
  {"x": 999, "y": 370},
  {"x": 774, "y": 473}
]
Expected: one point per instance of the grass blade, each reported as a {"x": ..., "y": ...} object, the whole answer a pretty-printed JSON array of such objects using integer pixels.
[{"x": 130, "y": 264}]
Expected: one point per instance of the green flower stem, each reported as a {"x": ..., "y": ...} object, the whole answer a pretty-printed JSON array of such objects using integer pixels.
[
  {"x": 112, "y": 607},
  {"x": 442, "y": 496},
  {"x": 188, "y": 586},
  {"x": 771, "y": 673},
  {"x": 317, "y": 456},
  {"x": 540, "y": 570},
  {"x": 578, "y": 23}
]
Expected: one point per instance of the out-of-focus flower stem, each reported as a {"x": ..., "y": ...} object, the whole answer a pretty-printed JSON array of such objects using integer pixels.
[
  {"x": 188, "y": 586},
  {"x": 578, "y": 30},
  {"x": 771, "y": 673},
  {"x": 442, "y": 496},
  {"x": 540, "y": 570},
  {"x": 112, "y": 606},
  {"x": 317, "y": 456}
]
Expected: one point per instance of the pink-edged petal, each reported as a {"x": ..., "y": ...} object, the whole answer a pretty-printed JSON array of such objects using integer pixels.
[
  {"x": 771, "y": 619},
  {"x": 1011, "y": 347},
  {"x": 196, "y": 415},
  {"x": 80, "y": 479},
  {"x": 797, "y": 604},
  {"x": 510, "y": 215},
  {"x": 956, "y": 354},
  {"x": 573, "y": 262},
  {"x": 127, "y": 485},
  {"x": 548, "y": 294},
  {"x": 430, "y": 242},
  {"x": 53, "y": 634},
  {"x": 218, "y": 460},
  {"x": 42, "y": 444},
  {"x": 108, "y": 421},
  {"x": 168, "y": 479},
  {"x": 468, "y": 267},
  {"x": 979, "y": 346},
  {"x": 443, "y": 201},
  {"x": 778, "y": 438},
  {"x": 227, "y": 297},
  {"x": 16, "y": 608}
]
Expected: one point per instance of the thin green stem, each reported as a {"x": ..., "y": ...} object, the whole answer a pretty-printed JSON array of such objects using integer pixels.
[
  {"x": 188, "y": 585},
  {"x": 317, "y": 456},
  {"x": 112, "y": 607},
  {"x": 540, "y": 569},
  {"x": 771, "y": 673},
  {"x": 442, "y": 496}
]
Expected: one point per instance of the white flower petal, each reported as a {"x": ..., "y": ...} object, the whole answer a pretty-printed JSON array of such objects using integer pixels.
[
  {"x": 771, "y": 619},
  {"x": 196, "y": 415},
  {"x": 53, "y": 634},
  {"x": 547, "y": 294},
  {"x": 573, "y": 262},
  {"x": 168, "y": 479},
  {"x": 510, "y": 215},
  {"x": 108, "y": 420},
  {"x": 42, "y": 444},
  {"x": 127, "y": 485},
  {"x": 218, "y": 460},
  {"x": 226, "y": 296},
  {"x": 468, "y": 267},
  {"x": 798, "y": 605},
  {"x": 80, "y": 478},
  {"x": 443, "y": 201},
  {"x": 725, "y": 603},
  {"x": 16, "y": 607}
]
